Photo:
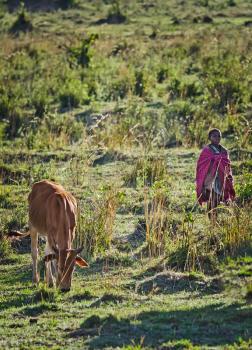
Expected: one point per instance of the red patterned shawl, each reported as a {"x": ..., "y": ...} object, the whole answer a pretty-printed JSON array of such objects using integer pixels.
[{"x": 220, "y": 163}]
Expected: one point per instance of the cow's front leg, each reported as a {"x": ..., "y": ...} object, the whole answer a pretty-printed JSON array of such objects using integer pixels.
[
  {"x": 50, "y": 266},
  {"x": 61, "y": 265},
  {"x": 34, "y": 253}
]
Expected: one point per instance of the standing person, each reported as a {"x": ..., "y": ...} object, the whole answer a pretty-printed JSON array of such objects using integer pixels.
[{"x": 214, "y": 178}]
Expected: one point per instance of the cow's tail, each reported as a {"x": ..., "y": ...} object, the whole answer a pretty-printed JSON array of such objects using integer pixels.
[{"x": 17, "y": 234}]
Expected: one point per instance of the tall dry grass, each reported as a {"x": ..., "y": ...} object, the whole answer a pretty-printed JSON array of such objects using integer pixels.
[
  {"x": 156, "y": 219},
  {"x": 96, "y": 222}
]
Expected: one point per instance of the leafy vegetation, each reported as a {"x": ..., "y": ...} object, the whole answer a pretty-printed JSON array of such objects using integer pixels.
[{"x": 114, "y": 99}]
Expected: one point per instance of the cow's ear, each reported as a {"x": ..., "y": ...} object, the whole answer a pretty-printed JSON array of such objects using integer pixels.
[{"x": 80, "y": 262}]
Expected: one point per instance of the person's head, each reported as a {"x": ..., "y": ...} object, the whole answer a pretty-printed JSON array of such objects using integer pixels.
[{"x": 214, "y": 136}]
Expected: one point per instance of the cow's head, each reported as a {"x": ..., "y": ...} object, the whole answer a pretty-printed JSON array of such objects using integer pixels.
[{"x": 66, "y": 261}]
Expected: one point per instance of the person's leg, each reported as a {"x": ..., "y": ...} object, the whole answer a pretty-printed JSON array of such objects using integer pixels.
[{"x": 212, "y": 204}]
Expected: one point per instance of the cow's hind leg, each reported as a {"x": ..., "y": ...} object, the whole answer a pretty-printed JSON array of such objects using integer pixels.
[{"x": 34, "y": 253}]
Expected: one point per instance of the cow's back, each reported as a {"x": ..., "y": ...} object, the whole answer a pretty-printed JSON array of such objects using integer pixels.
[{"x": 51, "y": 208}]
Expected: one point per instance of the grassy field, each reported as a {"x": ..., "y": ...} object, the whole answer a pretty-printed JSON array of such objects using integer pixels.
[{"x": 114, "y": 100}]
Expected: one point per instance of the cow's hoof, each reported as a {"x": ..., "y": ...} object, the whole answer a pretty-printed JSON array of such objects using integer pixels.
[{"x": 64, "y": 290}]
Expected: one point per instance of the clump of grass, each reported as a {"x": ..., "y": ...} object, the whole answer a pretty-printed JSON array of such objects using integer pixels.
[
  {"x": 72, "y": 94},
  {"x": 244, "y": 188},
  {"x": 5, "y": 247},
  {"x": 146, "y": 172},
  {"x": 96, "y": 223},
  {"x": 5, "y": 197},
  {"x": 115, "y": 14},
  {"x": 201, "y": 250},
  {"x": 43, "y": 294},
  {"x": 235, "y": 229},
  {"x": 156, "y": 218},
  {"x": 190, "y": 250}
]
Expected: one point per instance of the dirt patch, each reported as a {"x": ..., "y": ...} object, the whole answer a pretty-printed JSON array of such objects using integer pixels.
[
  {"x": 132, "y": 240},
  {"x": 171, "y": 282}
]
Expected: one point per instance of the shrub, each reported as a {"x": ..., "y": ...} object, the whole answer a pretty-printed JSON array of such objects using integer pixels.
[
  {"x": 81, "y": 55},
  {"x": 140, "y": 84},
  {"x": 231, "y": 3},
  {"x": 40, "y": 102},
  {"x": 162, "y": 74},
  {"x": 72, "y": 94},
  {"x": 244, "y": 188},
  {"x": 23, "y": 22},
  {"x": 226, "y": 80},
  {"x": 115, "y": 14},
  {"x": 119, "y": 87},
  {"x": 56, "y": 131}
]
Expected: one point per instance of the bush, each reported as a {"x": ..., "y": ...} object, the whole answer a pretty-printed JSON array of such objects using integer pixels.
[
  {"x": 73, "y": 94},
  {"x": 187, "y": 86},
  {"x": 244, "y": 189},
  {"x": 23, "y": 22},
  {"x": 119, "y": 88},
  {"x": 226, "y": 80},
  {"x": 40, "y": 102},
  {"x": 141, "y": 83},
  {"x": 81, "y": 55}
]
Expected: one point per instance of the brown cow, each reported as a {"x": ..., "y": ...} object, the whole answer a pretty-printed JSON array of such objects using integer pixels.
[{"x": 52, "y": 213}]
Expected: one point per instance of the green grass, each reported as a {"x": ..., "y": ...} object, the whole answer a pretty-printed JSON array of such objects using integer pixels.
[
  {"x": 104, "y": 310},
  {"x": 77, "y": 320},
  {"x": 95, "y": 106}
]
